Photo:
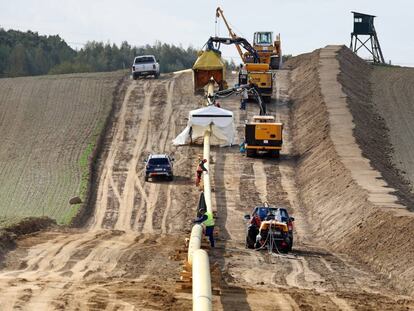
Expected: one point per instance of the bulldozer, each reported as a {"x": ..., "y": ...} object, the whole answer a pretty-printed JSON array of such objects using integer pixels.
[{"x": 263, "y": 135}]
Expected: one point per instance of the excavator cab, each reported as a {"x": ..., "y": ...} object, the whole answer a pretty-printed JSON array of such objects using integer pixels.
[
  {"x": 269, "y": 51},
  {"x": 263, "y": 38}
]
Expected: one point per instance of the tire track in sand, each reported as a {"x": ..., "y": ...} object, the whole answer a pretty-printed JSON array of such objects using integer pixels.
[
  {"x": 128, "y": 195},
  {"x": 106, "y": 178}
]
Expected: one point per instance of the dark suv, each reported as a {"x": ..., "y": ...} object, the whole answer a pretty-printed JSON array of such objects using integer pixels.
[
  {"x": 266, "y": 212},
  {"x": 159, "y": 165}
]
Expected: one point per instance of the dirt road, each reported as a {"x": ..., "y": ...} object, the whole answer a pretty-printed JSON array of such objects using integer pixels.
[
  {"x": 311, "y": 277},
  {"x": 121, "y": 260}
]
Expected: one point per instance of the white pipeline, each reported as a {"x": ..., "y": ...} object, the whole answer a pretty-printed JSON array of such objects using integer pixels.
[
  {"x": 195, "y": 242},
  {"x": 198, "y": 258},
  {"x": 206, "y": 176},
  {"x": 201, "y": 282}
]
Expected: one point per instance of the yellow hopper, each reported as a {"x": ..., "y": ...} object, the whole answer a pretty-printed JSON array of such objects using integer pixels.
[{"x": 208, "y": 65}]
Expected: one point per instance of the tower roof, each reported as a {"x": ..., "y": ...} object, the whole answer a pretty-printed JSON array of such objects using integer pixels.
[{"x": 362, "y": 14}]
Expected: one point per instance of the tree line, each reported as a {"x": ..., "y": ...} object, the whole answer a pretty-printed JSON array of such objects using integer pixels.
[{"x": 28, "y": 53}]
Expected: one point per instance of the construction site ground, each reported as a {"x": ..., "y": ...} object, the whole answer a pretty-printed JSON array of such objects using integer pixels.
[{"x": 127, "y": 256}]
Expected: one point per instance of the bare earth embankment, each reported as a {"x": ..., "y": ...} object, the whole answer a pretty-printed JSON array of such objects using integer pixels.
[
  {"x": 345, "y": 254},
  {"x": 380, "y": 100},
  {"x": 393, "y": 97},
  {"x": 352, "y": 208},
  {"x": 121, "y": 259},
  {"x": 48, "y": 128}
]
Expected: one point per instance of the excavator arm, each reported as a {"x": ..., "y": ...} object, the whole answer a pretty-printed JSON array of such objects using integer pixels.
[{"x": 238, "y": 42}]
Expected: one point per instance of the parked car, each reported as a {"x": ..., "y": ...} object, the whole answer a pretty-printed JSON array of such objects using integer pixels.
[
  {"x": 145, "y": 65},
  {"x": 159, "y": 165},
  {"x": 267, "y": 213}
]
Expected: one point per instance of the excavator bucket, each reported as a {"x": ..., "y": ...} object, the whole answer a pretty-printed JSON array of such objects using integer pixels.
[{"x": 208, "y": 65}]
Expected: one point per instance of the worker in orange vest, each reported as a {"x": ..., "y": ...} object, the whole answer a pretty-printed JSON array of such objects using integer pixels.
[{"x": 200, "y": 169}]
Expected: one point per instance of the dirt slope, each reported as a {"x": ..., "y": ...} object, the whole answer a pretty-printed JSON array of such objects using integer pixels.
[
  {"x": 353, "y": 211},
  {"x": 46, "y": 124},
  {"x": 393, "y": 97},
  {"x": 312, "y": 277},
  {"x": 123, "y": 258},
  {"x": 120, "y": 261},
  {"x": 379, "y": 101}
]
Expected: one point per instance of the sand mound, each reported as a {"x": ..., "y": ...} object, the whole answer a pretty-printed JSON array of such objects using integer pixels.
[
  {"x": 374, "y": 110},
  {"x": 353, "y": 209}
]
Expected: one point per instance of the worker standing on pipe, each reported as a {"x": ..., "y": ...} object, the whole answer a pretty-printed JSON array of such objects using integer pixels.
[
  {"x": 200, "y": 169},
  {"x": 207, "y": 220}
]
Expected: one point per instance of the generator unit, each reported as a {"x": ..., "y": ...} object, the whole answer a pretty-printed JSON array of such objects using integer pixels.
[{"x": 263, "y": 134}]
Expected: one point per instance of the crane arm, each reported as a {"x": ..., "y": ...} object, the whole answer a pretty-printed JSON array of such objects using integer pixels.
[
  {"x": 219, "y": 13},
  {"x": 237, "y": 42}
]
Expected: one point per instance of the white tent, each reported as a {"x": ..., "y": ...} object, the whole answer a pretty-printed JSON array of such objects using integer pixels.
[{"x": 222, "y": 126}]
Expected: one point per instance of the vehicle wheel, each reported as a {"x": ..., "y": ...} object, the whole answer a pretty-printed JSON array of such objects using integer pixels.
[
  {"x": 284, "y": 250},
  {"x": 249, "y": 243},
  {"x": 171, "y": 178},
  {"x": 290, "y": 244},
  {"x": 134, "y": 77},
  {"x": 251, "y": 152},
  {"x": 274, "y": 62},
  {"x": 146, "y": 178},
  {"x": 267, "y": 99},
  {"x": 275, "y": 154},
  {"x": 157, "y": 75}
]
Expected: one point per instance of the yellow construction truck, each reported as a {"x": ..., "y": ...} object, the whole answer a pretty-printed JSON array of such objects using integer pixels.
[
  {"x": 270, "y": 52},
  {"x": 256, "y": 59},
  {"x": 263, "y": 135}
]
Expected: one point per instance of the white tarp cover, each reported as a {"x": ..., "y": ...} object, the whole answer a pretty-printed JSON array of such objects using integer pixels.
[{"x": 199, "y": 121}]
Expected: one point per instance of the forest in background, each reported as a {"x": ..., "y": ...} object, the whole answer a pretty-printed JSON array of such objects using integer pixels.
[{"x": 28, "y": 54}]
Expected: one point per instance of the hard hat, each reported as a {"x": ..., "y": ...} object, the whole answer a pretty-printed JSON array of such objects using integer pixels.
[{"x": 205, "y": 160}]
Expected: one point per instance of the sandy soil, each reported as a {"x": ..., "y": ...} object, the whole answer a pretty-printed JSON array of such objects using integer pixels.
[
  {"x": 347, "y": 211},
  {"x": 121, "y": 260},
  {"x": 393, "y": 97},
  {"x": 124, "y": 259},
  {"x": 371, "y": 93},
  {"x": 312, "y": 277}
]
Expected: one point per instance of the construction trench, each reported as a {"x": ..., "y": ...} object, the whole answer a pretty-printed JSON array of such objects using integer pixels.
[{"x": 130, "y": 254}]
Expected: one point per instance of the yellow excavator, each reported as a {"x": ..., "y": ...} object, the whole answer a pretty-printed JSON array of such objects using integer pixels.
[
  {"x": 257, "y": 65},
  {"x": 210, "y": 65},
  {"x": 270, "y": 52}
]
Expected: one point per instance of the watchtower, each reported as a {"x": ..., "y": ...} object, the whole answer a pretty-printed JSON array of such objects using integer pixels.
[{"x": 364, "y": 26}]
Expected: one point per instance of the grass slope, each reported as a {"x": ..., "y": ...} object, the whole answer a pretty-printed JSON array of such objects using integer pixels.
[{"x": 49, "y": 126}]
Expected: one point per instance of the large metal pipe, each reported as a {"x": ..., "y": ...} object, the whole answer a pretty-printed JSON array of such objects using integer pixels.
[
  {"x": 198, "y": 258},
  {"x": 195, "y": 242},
  {"x": 206, "y": 155},
  {"x": 202, "y": 296},
  {"x": 206, "y": 176}
]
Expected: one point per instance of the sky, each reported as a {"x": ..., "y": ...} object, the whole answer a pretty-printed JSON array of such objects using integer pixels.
[{"x": 304, "y": 25}]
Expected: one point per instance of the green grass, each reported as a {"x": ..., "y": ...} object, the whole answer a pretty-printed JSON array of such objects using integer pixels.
[{"x": 84, "y": 163}]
